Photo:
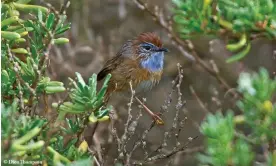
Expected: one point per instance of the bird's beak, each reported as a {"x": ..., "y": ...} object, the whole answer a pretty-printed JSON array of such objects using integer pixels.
[{"x": 162, "y": 50}]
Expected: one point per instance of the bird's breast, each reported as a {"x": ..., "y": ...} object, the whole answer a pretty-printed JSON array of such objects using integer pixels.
[
  {"x": 130, "y": 70},
  {"x": 145, "y": 85}
]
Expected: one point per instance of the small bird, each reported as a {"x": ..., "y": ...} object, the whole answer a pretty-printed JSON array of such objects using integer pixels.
[{"x": 139, "y": 61}]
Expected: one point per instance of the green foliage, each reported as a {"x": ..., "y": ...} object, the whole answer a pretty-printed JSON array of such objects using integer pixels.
[
  {"x": 219, "y": 141},
  {"x": 36, "y": 36},
  {"x": 222, "y": 150},
  {"x": 237, "y": 20},
  {"x": 25, "y": 47},
  {"x": 23, "y": 138},
  {"x": 225, "y": 145},
  {"x": 259, "y": 112},
  {"x": 85, "y": 99},
  {"x": 45, "y": 84}
]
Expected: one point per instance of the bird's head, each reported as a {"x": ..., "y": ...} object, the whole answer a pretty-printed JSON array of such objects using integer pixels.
[
  {"x": 146, "y": 48},
  {"x": 149, "y": 51}
]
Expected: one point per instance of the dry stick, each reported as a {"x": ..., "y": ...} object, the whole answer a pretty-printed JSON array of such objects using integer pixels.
[
  {"x": 204, "y": 108},
  {"x": 173, "y": 152},
  {"x": 113, "y": 129},
  {"x": 175, "y": 124},
  {"x": 96, "y": 161},
  {"x": 21, "y": 100},
  {"x": 98, "y": 148},
  {"x": 164, "y": 109},
  {"x": 131, "y": 131},
  {"x": 94, "y": 156},
  {"x": 160, "y": 147},
  {"x": 11, "y": 57},
  {"x": 200, "y": 102},
  {"x": 180, "y": 103},
  {"x": 114, "y": 133},
  {"x": 181, "y": 125},
  {"x": 94, "y": 128},
  {"x": 138, "y": 143},
  {"x": 16, "y": 69},
  {"x": 194, "y": 123},
  {"x": 122, "y": 150},
  {"x": 159, "y": 18},
  {"x": 188, "y": 151},
  {"x": 178, "y": 106}
]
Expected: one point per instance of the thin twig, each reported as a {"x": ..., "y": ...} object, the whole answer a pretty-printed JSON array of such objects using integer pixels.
[
  {"x": 96, "y": 161},
  {"x": 93, "y": 153},
  {"x": 164, "y": 108},
  {"x": 131, "y": 131},
  {"x": 171, "y": 153},
  {"x": 122, "y": 149},
  {"x": 158, "y": 157},
  {"x": 19, "y": 79},
  {"x": 202, "y": 105},
  {"x": 11, "y": 57},
  {"x": 180, "y": 103},
  {"x": 175, "y": 124},
  {"x": 113, "y": 129}
]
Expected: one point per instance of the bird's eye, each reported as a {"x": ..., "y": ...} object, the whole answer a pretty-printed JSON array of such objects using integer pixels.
[{"x": 147, "y": 47}]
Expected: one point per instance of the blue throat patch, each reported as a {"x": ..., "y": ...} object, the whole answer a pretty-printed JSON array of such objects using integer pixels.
[{"x": 154, "y": 62}]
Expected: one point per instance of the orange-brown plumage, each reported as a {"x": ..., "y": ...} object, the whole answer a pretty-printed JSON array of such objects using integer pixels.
[
  {"x": 139, "y": 61},
  {"x": 149, "y": 37}
]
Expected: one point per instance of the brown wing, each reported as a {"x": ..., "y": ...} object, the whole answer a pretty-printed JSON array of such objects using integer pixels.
[
  {"x": 109, "y": 66},
  {"x": 112, "y": 64}
]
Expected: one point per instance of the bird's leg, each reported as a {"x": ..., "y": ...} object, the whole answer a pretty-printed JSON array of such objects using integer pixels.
[{"x": 157, "y": 119}]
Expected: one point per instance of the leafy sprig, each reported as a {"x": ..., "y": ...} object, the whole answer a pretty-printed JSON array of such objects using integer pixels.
[
  {"x": 226, "y": 145},
  {"x": 238, "y": 20}
]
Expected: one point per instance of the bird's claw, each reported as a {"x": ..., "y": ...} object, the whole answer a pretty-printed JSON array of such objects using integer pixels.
[{"x": 157, "y": 119}]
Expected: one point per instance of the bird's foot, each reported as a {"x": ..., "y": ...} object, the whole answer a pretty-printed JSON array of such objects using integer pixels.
[{"x": 156, "y": 117}]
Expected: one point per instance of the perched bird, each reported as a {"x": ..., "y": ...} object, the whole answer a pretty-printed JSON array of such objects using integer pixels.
[{"x": 139, "y": 61}]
